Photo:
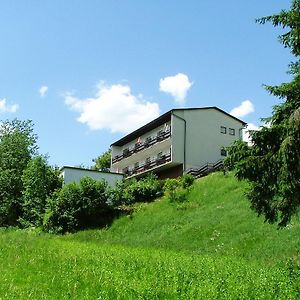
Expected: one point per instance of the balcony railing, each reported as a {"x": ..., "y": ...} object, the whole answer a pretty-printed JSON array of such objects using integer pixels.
[
  {"x": 149, "y": 165},
  {"x": 140, "y": 146}
]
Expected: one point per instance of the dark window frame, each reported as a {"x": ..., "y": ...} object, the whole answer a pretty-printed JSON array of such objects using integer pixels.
[
  {"x": 148, "y": 140},
  {"x": 126, "y": 152},
  {"x": 231, "y": 131},
  {"x": 223, "y": 129}
]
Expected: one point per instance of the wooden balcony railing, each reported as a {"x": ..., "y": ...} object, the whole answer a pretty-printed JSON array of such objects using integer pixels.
[
  {"x": 140, "y": 146},
  {"x": 206, "y": 169},
  {"x": 149, "y": 165}
]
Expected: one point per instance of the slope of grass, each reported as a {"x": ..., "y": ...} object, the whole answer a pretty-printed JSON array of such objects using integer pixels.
[
  {"x": 43, "y": 267},
  {"x": 209, "y": 247},
  {"x": 215, "y": 220}
]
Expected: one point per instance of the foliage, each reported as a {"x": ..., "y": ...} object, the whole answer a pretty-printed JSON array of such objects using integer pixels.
[
  {"x": 187, "y": 180},
  {"x": 215, "y": 220},
  {"x": 17, "y": 146},
  {"x": 40, "y": 181},
  {"x": 77, "y": 206},
  {"x": 132, "y": 190},
  {"x": 272, "y": 163},
  {"x": 102, "y": 162},
  {"x": 236, "y": 155},
  {"x": 177, "y": 190},
  {"x": 209, "y": 247}
]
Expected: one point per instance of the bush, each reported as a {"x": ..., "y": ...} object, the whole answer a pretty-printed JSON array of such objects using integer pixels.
[
  {"x": 131, "y": 191},
  {"x": 176, "y": 190},
  {"x": 77, "y": 206},
  {"x": 187, "y": 180}
]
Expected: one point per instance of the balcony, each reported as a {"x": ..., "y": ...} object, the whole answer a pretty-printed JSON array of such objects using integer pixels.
[
  {"x": 161, "y": 135},
  {"x": 149, "y": 165}
]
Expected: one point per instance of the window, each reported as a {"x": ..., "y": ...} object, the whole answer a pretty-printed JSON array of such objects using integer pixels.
[
  {"x": 223, "y": 152},
  {"x": 148, "y": 161},
  {"x": 126, "y": 152},
  {"x": 231, "y": 131},
  {"x": 136, "y": 147},
  {"x": 160, "y": 134},
  {"x": 136, "y": 165},
  {"x": 223, "y": 129},
  {"x": 148, "y": 141}
]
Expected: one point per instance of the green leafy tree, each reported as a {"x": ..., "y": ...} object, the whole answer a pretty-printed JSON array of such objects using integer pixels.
[
  {"x": 272, "y": 163},
  {"x": 17, "y": 146},
  {"x": 78, "y": 206},
  {"x": 40, "y": 181},
  {"x": 102, "y": 162}
]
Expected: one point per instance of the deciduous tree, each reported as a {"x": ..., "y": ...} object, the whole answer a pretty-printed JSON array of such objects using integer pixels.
[
  {"x": 17, "y": 146},
  {"x": 102, "y": 162},
  {"x": 40, "y": 181}
]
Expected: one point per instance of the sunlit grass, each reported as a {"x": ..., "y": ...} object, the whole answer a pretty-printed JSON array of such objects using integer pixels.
[
  {"x": 210, "y": 247},
  {"x": 42, "y": 267}
]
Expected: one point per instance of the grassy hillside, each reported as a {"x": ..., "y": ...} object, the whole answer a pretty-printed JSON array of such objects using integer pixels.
[
  {"x": 215, "y": 220},
  {"x": 42, "y": 267},
  {"x": 210, "y": 247}
]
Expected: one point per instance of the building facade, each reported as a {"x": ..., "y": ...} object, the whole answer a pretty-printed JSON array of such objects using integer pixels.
[{"x": 175, "y": 142}]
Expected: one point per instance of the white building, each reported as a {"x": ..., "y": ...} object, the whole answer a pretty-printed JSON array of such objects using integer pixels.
[
  {"x": 176, "y": 141},
  {"x": 74, "y": 174}
]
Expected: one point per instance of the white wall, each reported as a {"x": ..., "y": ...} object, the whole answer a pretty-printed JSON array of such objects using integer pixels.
[
  {"x": 72, "y": 174},
  {"x": 203, "y": 137}
]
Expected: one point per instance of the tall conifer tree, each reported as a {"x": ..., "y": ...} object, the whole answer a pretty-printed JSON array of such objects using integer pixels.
[{"x": 272, "y": 163}]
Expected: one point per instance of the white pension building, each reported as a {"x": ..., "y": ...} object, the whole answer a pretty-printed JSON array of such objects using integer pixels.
[{"x": 179, "y": 140}]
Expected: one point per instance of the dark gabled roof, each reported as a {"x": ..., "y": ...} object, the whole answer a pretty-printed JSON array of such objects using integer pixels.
[
  {"x": 162, "y": 120},
  {"x": 140, "y": 131},
  {"x": 89, "y": 170}
]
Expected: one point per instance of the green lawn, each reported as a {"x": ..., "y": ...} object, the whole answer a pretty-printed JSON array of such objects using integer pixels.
[{"x": 210, "y": 247}]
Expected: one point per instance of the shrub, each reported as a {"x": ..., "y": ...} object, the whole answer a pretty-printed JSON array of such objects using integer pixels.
[
  {"x": 176, "y": 190},
  {"x": 77, "y": 206},
  {"x": 131, "y": 191},
  {"x": 187, "y": 180}
]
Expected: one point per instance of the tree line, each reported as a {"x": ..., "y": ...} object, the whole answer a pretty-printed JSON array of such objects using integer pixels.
[{"x": 32, "y": 193}]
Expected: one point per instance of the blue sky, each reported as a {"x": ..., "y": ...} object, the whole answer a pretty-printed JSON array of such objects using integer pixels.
[{"x": 87, "y": 72}]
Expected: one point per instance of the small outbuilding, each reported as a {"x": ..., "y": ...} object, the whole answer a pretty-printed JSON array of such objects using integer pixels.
[{"x": 74, "y": 174}]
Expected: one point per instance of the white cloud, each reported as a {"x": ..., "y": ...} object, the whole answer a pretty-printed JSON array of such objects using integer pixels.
[
  {"x": 177, "y": 85},
  {"x": 246, "y": 136},
  {"x": 43, "y": 90},
  {"x": 244, "y": 109},
  {"x": 114, "y": 107},
  {"x": 4, "y": 107}
]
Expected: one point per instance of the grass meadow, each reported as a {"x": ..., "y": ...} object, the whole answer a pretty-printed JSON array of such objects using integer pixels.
[{"x": 210, "y": 247}]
